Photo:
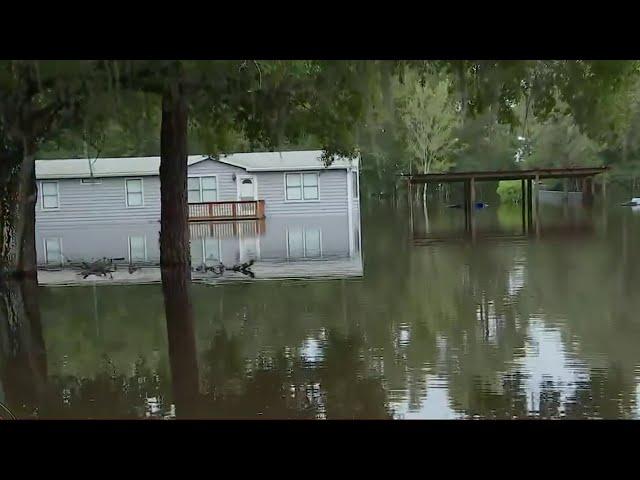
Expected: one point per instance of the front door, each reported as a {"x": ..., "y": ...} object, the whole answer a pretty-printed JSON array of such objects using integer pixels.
[{"x": 246, "y": 187}]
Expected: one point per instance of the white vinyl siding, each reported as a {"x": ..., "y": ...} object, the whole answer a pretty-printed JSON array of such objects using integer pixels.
[
  {"x": 91, "y": 181},
  {"x": 138, "y": 249},
  {"x": 134, "y": 193},
  {"x": 105, "y": 203},
  {"x": 202, "y": 189},
  {"x": 302, "y": 186},
  {"x": 304, "y": 243},
  {"x": 50, "y": 195},
  {"x": 53, "y": 251},
  {"x": 332, "y": 190}
]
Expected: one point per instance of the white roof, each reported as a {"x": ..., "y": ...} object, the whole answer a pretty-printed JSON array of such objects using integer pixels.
[{"x": 139, "y": 166}]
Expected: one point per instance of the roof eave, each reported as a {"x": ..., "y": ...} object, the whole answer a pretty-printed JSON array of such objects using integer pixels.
[
  {"x": 297, "y": 169},
  {"x": 50, "y": 176}
]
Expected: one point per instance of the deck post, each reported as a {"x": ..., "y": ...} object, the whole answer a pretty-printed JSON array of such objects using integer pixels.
[{"x": 565, "y": 186}]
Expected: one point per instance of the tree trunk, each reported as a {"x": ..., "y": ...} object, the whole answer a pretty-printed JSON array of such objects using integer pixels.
[
  {"x": 18, "y": 194},
  {"x": 22, "y": 350},
  {"x": 464, "y": 96},
  {"x": 23, "y": 366},
  {"x": 424, "y": 188},
  {"x": 174, "y": 251},
  {"x": 174, "y": 231}
]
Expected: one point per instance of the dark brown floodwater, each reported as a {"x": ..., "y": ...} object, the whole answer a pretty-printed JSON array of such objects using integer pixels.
[{"x": 506, "y": 327}]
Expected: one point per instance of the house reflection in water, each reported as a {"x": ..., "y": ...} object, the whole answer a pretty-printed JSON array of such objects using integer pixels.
[{"x": 309, "y": 246}]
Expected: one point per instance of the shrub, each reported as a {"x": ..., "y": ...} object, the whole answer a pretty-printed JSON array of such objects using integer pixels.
[{"x": 510, "y": 191}]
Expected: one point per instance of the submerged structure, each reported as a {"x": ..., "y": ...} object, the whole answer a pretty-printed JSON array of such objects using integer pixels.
[{"x": 287, "y": 211}]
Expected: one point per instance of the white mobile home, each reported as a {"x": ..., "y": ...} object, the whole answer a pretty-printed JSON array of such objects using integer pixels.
[
  {"x": 282, "y": 208},
  {"x": 237, "y": 186}
]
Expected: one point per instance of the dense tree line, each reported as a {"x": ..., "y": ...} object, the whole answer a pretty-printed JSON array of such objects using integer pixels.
[{"x": 400, "y": 115}]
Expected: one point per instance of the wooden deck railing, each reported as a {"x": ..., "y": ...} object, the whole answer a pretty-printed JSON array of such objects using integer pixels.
[
  {"x": 240, "y": 210},
  {"x": 244, "y": 228}
]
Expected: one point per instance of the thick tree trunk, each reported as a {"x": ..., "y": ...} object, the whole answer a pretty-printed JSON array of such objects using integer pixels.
[
  {"x": 174, "y": 231},
  {"x": 174, "y": 252},
  {"x": 23, "y": 366},
  {"x": 18, "y": 194}
]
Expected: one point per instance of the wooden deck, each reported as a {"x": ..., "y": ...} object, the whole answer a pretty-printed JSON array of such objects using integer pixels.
[
  {"x": 239, "y": 210},
  {"x": 244, "y": 228}
]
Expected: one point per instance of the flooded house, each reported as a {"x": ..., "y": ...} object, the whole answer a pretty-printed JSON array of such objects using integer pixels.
[{"x": 287, "y": 211}]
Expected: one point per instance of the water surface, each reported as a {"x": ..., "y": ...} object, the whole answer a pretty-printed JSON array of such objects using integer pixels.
[{"x": 505, "y": 326}]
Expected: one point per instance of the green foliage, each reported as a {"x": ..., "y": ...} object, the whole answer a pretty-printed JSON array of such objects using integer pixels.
[
  {"x": 429, "y": 119},
  {"x": 399, "y": 114},
  {"x": 509, "y": 191},
  {"x": 559, "y": 142},
  {"x": 489, "y": 145}
]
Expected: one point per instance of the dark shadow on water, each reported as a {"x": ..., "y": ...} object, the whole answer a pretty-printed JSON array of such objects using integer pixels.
[{"x": 275, "y": 384}]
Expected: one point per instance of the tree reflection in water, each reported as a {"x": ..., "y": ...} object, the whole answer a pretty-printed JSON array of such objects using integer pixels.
[
  {"x": 469, "y": 317},
  {"x": 271, "y": 385},
  {"x": 23, "y": 360}
]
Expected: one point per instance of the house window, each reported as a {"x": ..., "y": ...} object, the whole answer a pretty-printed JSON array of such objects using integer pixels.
[
  {"x": 196, "y": 251},
  {"x": 302, "y": 186},
  {"x": 135, "y": 197},
  {"x": 312, "y": 248},
  {"x": 211, "y": 250},
  {"x": 205, "y": 251},
  {"x": 295, "y": 243},
  {"x": 202, "y": 189},
  {"x": 138, "y": 249},
  {"x": 304, "y": 243},
  {"x": 50, "y": 196},
  {"x": 354, "y": 184},
  {"x": 53, "y": 251}
]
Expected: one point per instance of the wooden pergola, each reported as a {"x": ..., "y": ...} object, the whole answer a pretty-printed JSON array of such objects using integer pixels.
[{"x": 529, "y": 179}]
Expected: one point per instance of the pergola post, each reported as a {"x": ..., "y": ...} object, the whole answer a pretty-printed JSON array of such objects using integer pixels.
[
  {"x": 472, "y": 206},
  {"x": 410, "y": 200},
  {"x": 535, "y": 199},
  {"x": 524, "y": 204},
  {"x": 529, "y": 203},
  {"x": 466, "y": 204},
  {"x": 587, "y": 191}
]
